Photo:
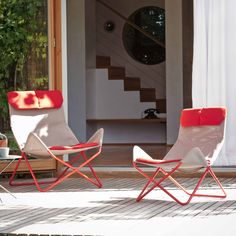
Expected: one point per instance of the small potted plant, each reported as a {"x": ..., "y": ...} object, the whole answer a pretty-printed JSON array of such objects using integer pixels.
[
  {"x": 4, "y": 149},
  {"x": 3, "y": 140}
]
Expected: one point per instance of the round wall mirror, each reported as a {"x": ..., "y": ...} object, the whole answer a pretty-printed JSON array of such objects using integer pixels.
[{"x": 150, "y": 19}]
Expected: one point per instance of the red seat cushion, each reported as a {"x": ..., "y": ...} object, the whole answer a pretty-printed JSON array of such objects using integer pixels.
[
  {"x": 76, "y": 146},
  {"x": 155, "y": 162}
]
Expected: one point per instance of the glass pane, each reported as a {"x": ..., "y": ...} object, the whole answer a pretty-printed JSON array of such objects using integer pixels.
[
  {"x": 24, "y": 44},
  {"x": 23, "y": 49},
  {"x": 141, "y": 48},
  {"x": 35, "y": 69}
]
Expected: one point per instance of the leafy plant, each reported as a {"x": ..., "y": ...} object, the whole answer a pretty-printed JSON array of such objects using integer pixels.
[
  {"x": 3, "y": 140},
  {"x": 3, "y": 136},
  {"x": 23, "y": 39},
  {"x": 14, "y": 149}
]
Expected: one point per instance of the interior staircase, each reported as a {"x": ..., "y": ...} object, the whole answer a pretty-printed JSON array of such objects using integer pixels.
[{"x": 130, "y": 83}]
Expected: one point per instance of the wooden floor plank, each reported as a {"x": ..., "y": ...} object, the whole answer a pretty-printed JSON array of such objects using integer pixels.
[{"x": 78, "y": 202}]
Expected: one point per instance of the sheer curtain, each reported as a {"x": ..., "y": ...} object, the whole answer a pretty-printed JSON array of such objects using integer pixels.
[{"x": 214, "y": 65}]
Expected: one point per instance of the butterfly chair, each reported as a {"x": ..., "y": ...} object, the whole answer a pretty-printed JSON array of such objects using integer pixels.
[
  {"x": 200, "y": 139},
  {"x": 40, "y": 129}
]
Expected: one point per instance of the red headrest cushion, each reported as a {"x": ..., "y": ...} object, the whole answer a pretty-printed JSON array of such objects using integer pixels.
[
  {"x": 190, "y": 117},
  {"x": 203, "y": 116},
  {"x": 49, "y": 99},
  {"x": 23, "y": 100},
  {"x": 26, "y": 100},
  {"x": 212, "y": 116}
]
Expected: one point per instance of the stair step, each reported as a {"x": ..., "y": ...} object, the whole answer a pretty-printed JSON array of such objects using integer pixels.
[
  {"x": 147, "y": 95},
  {"x": 103, "y": 61},
  {"x": 115, "y": 72},
  {"x": 161, "y": 105},
  {"x": 131, "y": 84}
]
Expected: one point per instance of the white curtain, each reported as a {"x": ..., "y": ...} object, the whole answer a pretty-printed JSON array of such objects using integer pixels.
[{"x": 214, "y": 65}]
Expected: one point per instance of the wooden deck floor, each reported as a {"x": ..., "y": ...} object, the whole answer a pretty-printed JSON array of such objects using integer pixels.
[{"x": 75, "y": 207}]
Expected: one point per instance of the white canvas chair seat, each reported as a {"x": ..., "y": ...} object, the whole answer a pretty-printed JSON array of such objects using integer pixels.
[
  {"x": 200, "y": 139},
  {"x": 34, "y": 146},
  {"x": 40, "y": 129},
  {"x": 69, "y": 149},
  {"x": 193, "y": 160}
]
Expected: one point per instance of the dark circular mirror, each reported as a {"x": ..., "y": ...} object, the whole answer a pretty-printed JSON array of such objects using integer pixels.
[{"x": 141, "y": 48}]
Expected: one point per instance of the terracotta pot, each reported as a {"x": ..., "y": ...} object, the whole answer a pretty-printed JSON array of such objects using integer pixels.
[{"x": 3, "y": 143}]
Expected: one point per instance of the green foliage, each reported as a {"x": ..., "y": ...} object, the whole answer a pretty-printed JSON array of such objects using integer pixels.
[
  {"x": 17, "y": 19},
  {"x": 22, "y": 35},
  {"x": 3, "y": 99},
  {"x": 14, "y": 149}
]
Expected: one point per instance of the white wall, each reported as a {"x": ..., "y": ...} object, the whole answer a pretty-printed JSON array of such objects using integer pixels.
[
  {"x": 174, "y": 67},
  {"x": 110, "y": 44},
  {"x": 131, "y": 132},
  {"x": 106, "y": 99}
]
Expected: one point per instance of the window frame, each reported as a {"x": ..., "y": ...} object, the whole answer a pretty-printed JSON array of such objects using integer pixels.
[{"x": 55, "y": 44}]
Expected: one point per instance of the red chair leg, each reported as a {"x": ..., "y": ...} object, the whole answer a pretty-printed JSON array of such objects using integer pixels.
[
  {"x": 208, "y": 170},
  {"x": 61, "y": 177},
  {"x": 98, "y": 183},
  {"x": 35, "y": 182},
  {"x": 141, "y": 195},
  {"x": 168, "y": 175},
  {"x": 151, "y": 179}
]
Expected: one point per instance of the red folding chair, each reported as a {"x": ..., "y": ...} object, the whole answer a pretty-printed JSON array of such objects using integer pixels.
[
  {"x": 200, "y": 139},
  {"x": 40, "y": 129}
]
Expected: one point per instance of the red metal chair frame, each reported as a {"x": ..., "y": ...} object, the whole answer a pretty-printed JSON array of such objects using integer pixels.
[
  {"x": 62, "y": 176},
  {"x": 204, "y": 119},
  {"x": 151, "y": 179},
  {"x": 43, "y": 109}
]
